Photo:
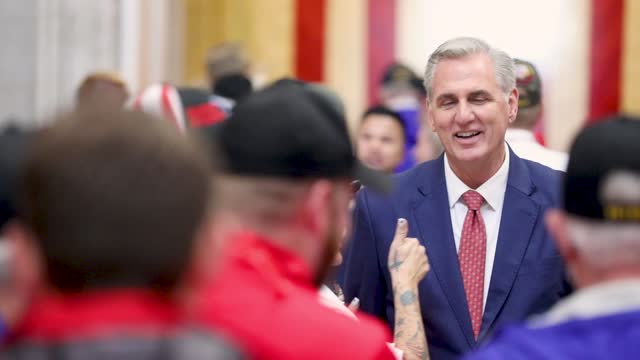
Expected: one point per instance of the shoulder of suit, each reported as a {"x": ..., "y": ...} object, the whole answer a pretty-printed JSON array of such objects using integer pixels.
[
  {"x": 546, "y": 180},
  {"x": 415, "y": 173},
  {"x": 541, "y": 171}
]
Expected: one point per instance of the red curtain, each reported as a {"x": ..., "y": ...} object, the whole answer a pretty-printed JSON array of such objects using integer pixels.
[
  {"x": 606, "y": 63},
  {"x": 309, "y": 39},
  {"x": 381, "y": 37}
]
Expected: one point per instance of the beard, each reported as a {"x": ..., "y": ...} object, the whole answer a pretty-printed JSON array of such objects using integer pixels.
[{"x": 332, "y": 246}]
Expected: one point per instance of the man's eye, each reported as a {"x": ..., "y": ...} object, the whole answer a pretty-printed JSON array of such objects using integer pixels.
[{"x": 479, "y": 100}]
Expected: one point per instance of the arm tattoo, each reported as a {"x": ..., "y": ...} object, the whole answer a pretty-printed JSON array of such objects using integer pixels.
[
  {"x": 396, "y": 263},
  {"x": 407, "y": 298},
  {"x": 409, "y": 333},
  {"x": 416, "y": 345}
]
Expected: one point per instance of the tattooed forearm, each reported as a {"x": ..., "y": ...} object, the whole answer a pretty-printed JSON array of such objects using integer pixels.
[
  {"x": 409, "y": 334},
  {"x": 407, "y": 297},
  {"x": 417, "y": 344}
]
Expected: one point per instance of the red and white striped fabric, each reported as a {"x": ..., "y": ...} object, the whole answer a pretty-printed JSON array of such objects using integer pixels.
[{"x": 163, "y": 101}]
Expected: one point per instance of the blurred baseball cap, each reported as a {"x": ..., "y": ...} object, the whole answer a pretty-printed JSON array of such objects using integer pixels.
[
  {"x": 400, "y": 75},
  {"x": 292, "y": 130},
  {"x": 602, "y": 181},
  {"x": 528, "y": 84}
]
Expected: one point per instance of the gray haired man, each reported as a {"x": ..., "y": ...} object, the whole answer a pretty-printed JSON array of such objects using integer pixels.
[{"x": 478, "y": 210}]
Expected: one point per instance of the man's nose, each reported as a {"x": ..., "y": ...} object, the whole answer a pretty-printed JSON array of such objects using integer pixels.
[{"x": 464, "y": 113}]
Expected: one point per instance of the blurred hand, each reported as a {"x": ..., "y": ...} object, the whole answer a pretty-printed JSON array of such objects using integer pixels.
[
  {"x": 13, "y": 298},
  {"x": 355, "y": 305},
  {"x": 408, "y": 262}
]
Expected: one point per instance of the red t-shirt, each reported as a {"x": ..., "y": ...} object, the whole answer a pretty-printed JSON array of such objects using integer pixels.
[{"x": 263, "y": 299}]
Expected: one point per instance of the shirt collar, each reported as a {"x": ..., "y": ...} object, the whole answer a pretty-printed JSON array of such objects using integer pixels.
[
  {"x": 491, "y": 190},
  {"x": 598, "y": 300},
  {"x": 279, "y": 266},
  {"x": 519, "y": 135}
]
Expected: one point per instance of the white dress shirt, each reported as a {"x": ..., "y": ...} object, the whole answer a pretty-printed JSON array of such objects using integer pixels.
[
  {"x": 491, "y": 210},
  {"x": 524, "y": 144}
]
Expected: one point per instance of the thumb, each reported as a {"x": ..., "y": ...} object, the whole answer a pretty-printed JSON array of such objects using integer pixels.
[
  {"x": 355, "y": 305},
  {"x": 402, "y": 229}
]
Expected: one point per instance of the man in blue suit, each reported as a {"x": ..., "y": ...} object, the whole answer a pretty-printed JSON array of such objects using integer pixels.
[{"x": 478, "y": 209}]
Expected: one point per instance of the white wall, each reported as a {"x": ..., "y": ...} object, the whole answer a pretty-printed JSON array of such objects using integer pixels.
[
  {"x": 49, "y": 46},
  {"x": 553, "y": 34}
]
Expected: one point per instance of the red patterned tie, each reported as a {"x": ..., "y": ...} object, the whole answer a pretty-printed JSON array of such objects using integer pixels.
[{"x": 473, "y": 247}]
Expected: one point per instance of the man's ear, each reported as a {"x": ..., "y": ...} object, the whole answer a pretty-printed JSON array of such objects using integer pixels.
[
  {"x": 429, "y": 114},
  {"x": 316, "y": 206},
  {"x": 556, "y": 222},
  {"x": 512, "y": 102}
]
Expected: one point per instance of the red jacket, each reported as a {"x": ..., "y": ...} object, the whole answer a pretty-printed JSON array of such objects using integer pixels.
[{"x": 263, "y": 299}]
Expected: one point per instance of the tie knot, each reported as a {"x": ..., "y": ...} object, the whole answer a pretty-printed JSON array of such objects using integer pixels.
[{"x": 473, "y": 200}]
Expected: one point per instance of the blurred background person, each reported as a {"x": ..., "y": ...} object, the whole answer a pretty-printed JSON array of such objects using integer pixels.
[
  {"x": 228, "y": 68},
  {"x": 597, "y": 232},
  {"x": 103, "y": 89},
  {"x": 112, "y": 207},
  {"x": 381, "y": 139},
  {"x": 401, "y": 90},
  {"x": 520, "y": 134}
]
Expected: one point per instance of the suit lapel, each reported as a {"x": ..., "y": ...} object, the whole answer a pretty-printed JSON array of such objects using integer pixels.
[
  {"x": 432, "y": 216},
  {"x": 519, "y": 215}
]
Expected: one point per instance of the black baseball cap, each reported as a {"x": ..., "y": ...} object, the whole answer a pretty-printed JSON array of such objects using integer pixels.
[
  {"x": 602, "y": 181},
  {"x": 528, "y": 84},
  {"x": 291, "y": 130}
]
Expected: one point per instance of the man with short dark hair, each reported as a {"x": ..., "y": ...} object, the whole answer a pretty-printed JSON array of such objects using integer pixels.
[
  {"x": 598, "y": 234},
  {"x": 381, "y": 139},
  {"x": 112, "y": 206}
]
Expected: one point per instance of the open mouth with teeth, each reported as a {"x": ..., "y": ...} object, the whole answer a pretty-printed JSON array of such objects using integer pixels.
[{"x": 467, "y": 134}]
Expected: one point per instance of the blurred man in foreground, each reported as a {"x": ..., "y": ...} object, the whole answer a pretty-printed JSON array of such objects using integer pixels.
[
  {"x": 283, "y": 211},
  {"x": 598, "y": 235},
  {"x": 112, "y": 207}
]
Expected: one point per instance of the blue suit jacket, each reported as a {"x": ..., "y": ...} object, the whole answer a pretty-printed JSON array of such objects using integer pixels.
[{"x": 528, "y": 274}]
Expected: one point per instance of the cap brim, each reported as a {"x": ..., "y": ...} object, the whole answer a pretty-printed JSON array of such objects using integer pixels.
[{"x": 374, "y": 179}]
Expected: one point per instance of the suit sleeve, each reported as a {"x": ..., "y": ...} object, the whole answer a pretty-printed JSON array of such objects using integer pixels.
[{"x": 360, "y": 274}]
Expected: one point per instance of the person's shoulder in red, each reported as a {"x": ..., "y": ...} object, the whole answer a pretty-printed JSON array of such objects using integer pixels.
[{"x": 264, "y": 301}]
